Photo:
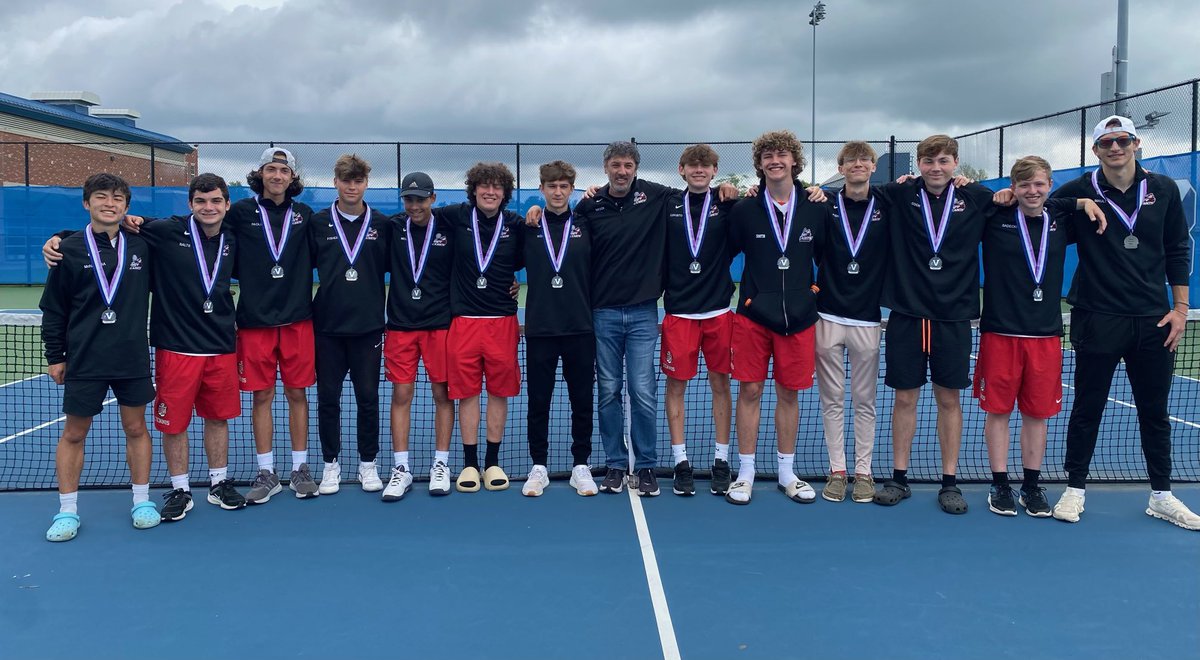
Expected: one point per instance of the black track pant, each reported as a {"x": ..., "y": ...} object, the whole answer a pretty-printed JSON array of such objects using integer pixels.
[
  {"x": 578, "y": 354},
  {"x": 360, "y": 356}
]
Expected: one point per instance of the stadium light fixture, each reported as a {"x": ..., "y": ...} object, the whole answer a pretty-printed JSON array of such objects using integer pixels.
[{"x": 814, "y": 18}]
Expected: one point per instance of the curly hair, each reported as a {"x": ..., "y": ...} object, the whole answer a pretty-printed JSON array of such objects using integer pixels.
[
  {"x": 777, "y": 141},
  {"x": 497, "y": 173}
]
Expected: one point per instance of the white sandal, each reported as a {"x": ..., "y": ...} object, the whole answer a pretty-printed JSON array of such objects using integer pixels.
[
  {"x": 799, "y": 491},
  {"x": 740, "y": 488}
]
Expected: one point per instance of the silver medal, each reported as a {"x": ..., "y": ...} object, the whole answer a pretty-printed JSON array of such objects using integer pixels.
[
  {"x": 208, "y": 307},
  {"x": 1037, "y": 294},
  {"x": 1131, "y": 242},
  {"x": 351, "y": 275},
  {"x": 416, "y": 293},
  {"x": 935, "y": 263},
  {"x": 784, "y": 263},
  {"x": 481, "y": 283},
  {"x": 277, "y": 272},
  {"x": 108, "y": 317},
  {"x": 853, "y": 268},
  {"x": 556, "y": 282},
  {"x": 694, "y": 268}
]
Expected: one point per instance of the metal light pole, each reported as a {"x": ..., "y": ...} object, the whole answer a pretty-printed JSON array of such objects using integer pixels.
[{"x": 814, "y": 17}]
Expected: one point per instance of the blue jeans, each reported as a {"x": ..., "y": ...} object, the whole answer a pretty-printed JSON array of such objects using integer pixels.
[{"x": 625, "y": 338}]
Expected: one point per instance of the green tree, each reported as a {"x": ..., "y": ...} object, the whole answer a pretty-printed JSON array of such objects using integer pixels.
[{"x": 973, "y": 173}]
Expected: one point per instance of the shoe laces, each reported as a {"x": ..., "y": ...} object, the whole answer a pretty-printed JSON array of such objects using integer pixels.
[
  {"x": 397, "y": 476},
  {"x": 261, "y": 479},
  {"x": 538, "y": 472},
  {"x": 439, "y": 470}
]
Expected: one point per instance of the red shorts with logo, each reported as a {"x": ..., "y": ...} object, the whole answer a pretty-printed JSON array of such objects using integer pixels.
[
  {"x": 207, "y": 383},
  {"x": 1027, "y": 370},
  {"x": 403, "y": 348},
  {"x": 684, "y": 339},
  {"x": 483, "y": 349},
  {"x": 288, "y": 348},
  {"x": 753, "y": 347}
]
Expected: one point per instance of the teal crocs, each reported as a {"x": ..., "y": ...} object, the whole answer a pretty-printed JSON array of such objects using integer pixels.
[
  {"x": 145, "y": 515},
  {"x": 64, "y": 527}
]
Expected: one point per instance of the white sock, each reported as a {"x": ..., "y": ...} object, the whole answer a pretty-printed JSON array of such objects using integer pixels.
[
  {"x": 746, "y": 468},
  {"x": 266, "y": 461},
  {"x": 68, "y": 502},
  {"x": 722, "y": 452},
  {"x": 786, "y": 475},
  {"x": 1078, "y": 491},
  {"x": 443, "y": 456},
  {"x": 299, "y": 458},
  {"x": 141, "y": 493},
  {"x": 1160, "y": 495},
  {"x": 679, "y": 451},
  {"x": 180, "y": 481},
  {"x": 401, "y": 458},
  {"x": 217, "y": 475}
]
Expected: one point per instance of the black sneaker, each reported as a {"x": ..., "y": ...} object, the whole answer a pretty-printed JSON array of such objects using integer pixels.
[
  {"x": 614, "y": 481},
  {"x": 1001, "y": 500},
  {"x": 720, "y": 477},
  {"x": 1035, "y": 502},
  {"x": 176, "y": 504},
  {"x": 685, "y": 483},
  {"x": 226, "y": 496},
  {"x": 647, "y": 483}
]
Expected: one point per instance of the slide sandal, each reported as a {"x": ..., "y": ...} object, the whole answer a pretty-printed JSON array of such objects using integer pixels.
[
  {"x": 739, "y": 488},
  {"x": 494, "y": 478},
  {"x": 799, "y": 491},
  {"x": 468, "y": 480}
]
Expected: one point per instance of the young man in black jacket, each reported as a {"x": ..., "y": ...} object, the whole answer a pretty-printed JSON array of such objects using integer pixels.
[
  {"x": 781, "y": 234},
  {"x": 1121, "y": 312},
  {"x": 94, "y": 311}
]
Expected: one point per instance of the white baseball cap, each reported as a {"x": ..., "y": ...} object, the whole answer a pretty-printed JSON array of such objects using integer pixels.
[
  {"x": 1103, "y": 128},
  {"x": 277, "y": 155}
]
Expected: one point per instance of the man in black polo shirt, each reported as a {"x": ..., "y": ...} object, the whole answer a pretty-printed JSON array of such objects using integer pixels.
[
  {"x": 932, "y": 289},
  {"x": 558, "y": 325},
  {"x": 350, "y": 249},
  {"x": 1121, "y": 312}
]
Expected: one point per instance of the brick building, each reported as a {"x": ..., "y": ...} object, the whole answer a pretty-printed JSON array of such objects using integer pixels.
[{"x": 59, "y": 138}]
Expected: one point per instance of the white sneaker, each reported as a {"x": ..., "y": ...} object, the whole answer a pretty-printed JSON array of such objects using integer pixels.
[
  {"x": 536, "y": 482},
  {"x": 439, "y": 479},
  {"x": 331, "y": 479},
  {"x": 397, "y": 486},
  {"x": 1172, "y": 510},
  {"x": 582, "y": 481},
  {"x": 368, "y": 476},
  {"x": 1069, "y": 506}
]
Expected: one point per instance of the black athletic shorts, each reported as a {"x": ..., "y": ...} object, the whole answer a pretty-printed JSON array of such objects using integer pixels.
[
  {"x": 913, "y": 345},
  {"x": 85, "y": 398}
]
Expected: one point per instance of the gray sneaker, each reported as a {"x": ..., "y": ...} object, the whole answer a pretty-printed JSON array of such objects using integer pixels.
[
  {"x": 265, "y": 485},
  {"x": 864, "y": 488},
  {"x": 835, "y": 488},
  {"x": 302, "y": 483}
]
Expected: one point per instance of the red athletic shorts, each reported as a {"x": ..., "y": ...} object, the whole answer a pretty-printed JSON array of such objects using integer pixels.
[
  {"x": 403, "y": 348},
  {"x": 483, "y": 349},
  {"x": 208, "y": 383},
  {"x": 754, "y": 346},
  {"x": 684, "y": 339},
  {"x": 288, "y": 347},
  {"x": 1027, "y": 370}
]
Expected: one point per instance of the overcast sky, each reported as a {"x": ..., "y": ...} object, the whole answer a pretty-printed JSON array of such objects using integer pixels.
[{"x": 486, "y": 70}]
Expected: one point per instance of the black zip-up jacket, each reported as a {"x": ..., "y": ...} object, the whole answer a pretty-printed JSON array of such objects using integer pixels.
[
  {"x": 72, "y": 304},
  {"x": 780, "y": 300},
  {"x": 177, "y": 319},
  {"x": 340, "y": 306},
  {"x": 855, "y": 296},
  {"x": 551, "y": 312},
  {"x": 912, "y": 287},
  {"x": 711, "y": 288},
  {"x": 466, "y": 299},
  {"x": 628, "y": 244},
  {"x": 1114, "y": 280},
  {"x": 432, "y": 310},
  {"x": 1008, "y": 304},
  {"x": 265, "y": 301}
]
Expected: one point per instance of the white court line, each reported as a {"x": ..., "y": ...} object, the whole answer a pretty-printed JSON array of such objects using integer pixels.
[
  {"x": 1130, "y": 405},
  {"x": 658, "y": 597},
  {"x": 17, "y": 382},
  {"x": 42, "y": 426}
]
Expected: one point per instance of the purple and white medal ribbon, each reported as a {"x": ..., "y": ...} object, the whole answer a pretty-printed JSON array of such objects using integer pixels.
[
  {"x": 855, "y": 242},
  {"x": 481, "y": 258},
  {"x": 937, "y": 232},
  {"x": 1035, "y": 261},
  {"x": 418, "y": 262},
  {"x": 781, "y": 235},
  {"x": 1131, "y": 241},
  {"x": 108, "y": 288},
  {"x": 350, "y": 252},
  {"x": 275, "y": 248},
  {"x": 695, "y": 236},
  {"x": 556, "y": 258},
  {"x": 207, "y": 279}
]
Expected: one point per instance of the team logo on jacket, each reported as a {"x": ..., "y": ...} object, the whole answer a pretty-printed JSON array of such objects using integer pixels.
[
  {"x": 805, "y": 236},
  {"x": 372, "y": 234},
  {"x": 225, "y": 252},
  {"x": 1148, "y": 199},
  {"x": 639, "y": 197},
  {"x": 439, "y": 240},
  {"x": 876, "y": 216},
  {"x": 576, "y": 232},
  {"x": 1054, "y": 225},
  {"x": 297, "y": 219},
  {"x": 135, "y": 263},
  {"x": 959, "y": 206},
  {"x": 504, "y": 232}
]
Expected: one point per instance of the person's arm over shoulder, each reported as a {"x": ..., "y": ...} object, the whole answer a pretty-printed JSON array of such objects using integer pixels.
[{"x": 978, "y": 193}]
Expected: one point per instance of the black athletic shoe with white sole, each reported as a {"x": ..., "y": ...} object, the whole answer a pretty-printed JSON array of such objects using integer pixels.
[
  {"x": 1002, "y": 500},
  {"x": 614, "y": 481},
  {"x": 224, "y": 495},
  {"x": 176, "y": 504},
  {"x": 647, "y": 483},
  {"x": 685, "y": 482},
  {"x": 721, "y": 477}
]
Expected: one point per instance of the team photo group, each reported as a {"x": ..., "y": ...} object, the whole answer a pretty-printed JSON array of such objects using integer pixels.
[{"x": 435, "y": 287}]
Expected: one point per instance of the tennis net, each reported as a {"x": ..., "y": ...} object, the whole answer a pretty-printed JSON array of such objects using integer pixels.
[{"x": 32, "y": 422}]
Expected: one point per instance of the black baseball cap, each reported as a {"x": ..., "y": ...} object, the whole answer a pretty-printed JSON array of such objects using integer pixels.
[{"x": 416, "y": 184}]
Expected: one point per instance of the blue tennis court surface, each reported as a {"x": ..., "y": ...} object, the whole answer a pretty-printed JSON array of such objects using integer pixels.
[{"x": 496, "y": 575}]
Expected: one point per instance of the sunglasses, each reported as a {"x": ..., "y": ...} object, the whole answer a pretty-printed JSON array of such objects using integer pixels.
[{"x": 1107, "y": 143}]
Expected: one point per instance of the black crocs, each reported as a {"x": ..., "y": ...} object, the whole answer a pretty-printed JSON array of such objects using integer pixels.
[
  {"x": 892, "y": 492},
  {"x": 951, "y": 500}
]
